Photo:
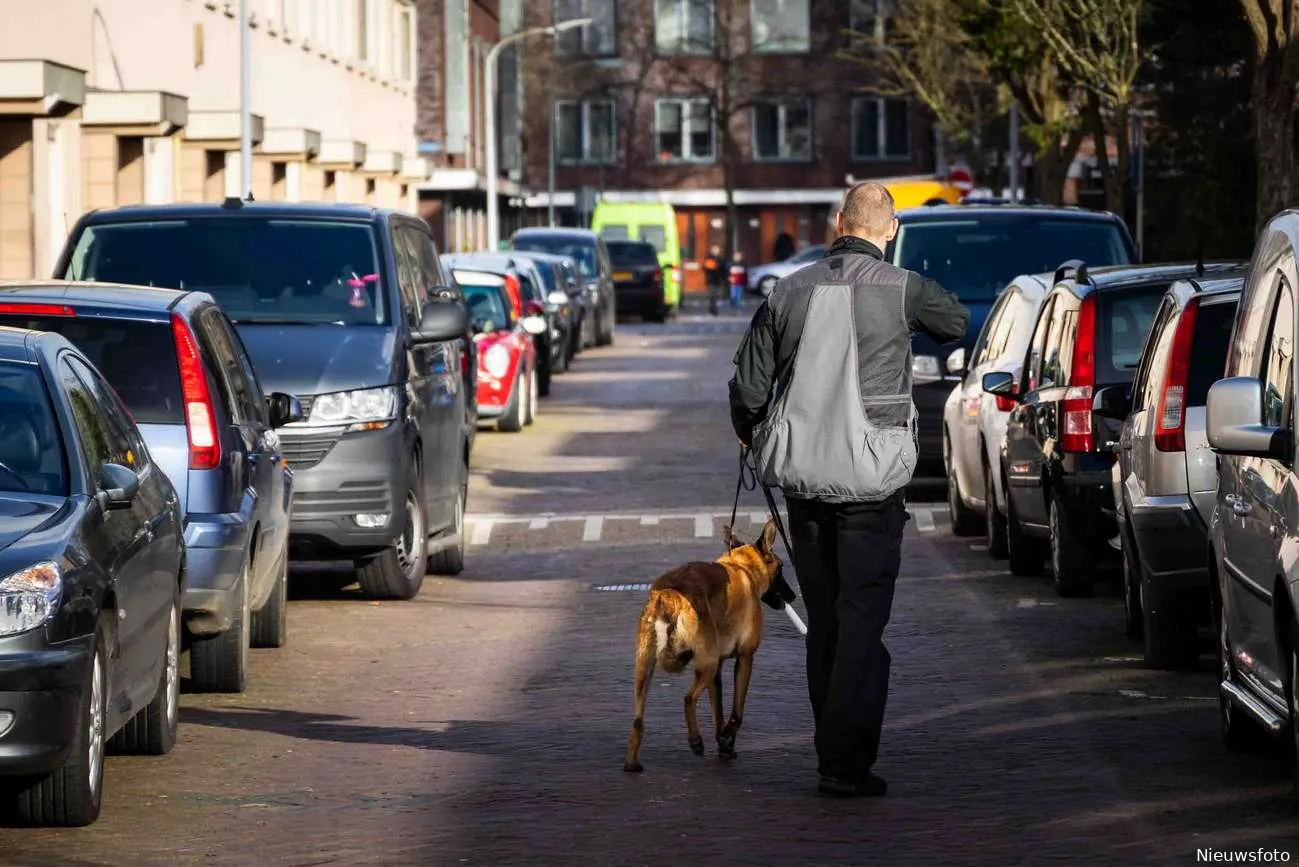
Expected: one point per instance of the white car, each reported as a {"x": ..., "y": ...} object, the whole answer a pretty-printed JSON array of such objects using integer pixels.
[
  {"x": 762, "y": 279},
  {"x": 974, "y": 422}
]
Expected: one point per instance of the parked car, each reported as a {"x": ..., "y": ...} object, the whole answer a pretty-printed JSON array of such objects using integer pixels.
[
  {"x": 638, "y": 279},
  {"x": 588, "y": 250},
  {"x": 347, "y": 308},
  {"x": 92, "y": 567},
  {"x": 1255, "y": 522},
  {"x": 1165, "y": 478},
  {"x": 547, "y": 322},
  {"x": 975, "y": 251},
  {"x": 182, "y": 371},
  {"x": 974, "y": 421},
  {"x": 507, "y": 357},
  {"x": 564, "y": 293},
  {"x": 763, "y": 278},
  {"x": 1059, "y": 445}
]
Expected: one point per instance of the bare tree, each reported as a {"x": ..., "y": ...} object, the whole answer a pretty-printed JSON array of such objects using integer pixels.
[{"x": 1274, "y": 26}]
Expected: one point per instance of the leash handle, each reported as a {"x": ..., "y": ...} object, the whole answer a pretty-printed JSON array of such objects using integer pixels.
[{"x": 746, "y": 469}]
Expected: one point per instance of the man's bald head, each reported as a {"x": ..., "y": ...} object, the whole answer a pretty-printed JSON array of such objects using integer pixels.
[{"x": 868, "y": 213}]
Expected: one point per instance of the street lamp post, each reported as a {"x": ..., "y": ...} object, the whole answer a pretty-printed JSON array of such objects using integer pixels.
[
  {"x": 489, "y": 86},
  {"x": 245, "y": 103}
]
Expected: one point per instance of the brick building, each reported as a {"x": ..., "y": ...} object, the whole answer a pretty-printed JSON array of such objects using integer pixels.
[{"x": 660, "y": 99}]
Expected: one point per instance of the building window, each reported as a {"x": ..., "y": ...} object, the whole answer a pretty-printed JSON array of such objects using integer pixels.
[
  {"x": 881, "y": 128},
  {"x": 779, "y": 26},
  {"x": 406, "y": 43},
  {"x": 683, "y": 130},
  {"x": 683, "y": 26},
  {"x": 362, "y": 30},
  {"x": 595, "y": 39},
  {"x": 584, "y": 131},
  {"x": 867, "y": 18},
  {"x": 782, "y": 130}
]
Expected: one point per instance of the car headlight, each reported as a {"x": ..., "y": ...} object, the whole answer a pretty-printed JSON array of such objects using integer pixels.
[
  {"x": 363, "y": 409},
  {"x": 497, "y": 360},
  {"x": 30, "y": 597},
  {"x": 925, "y": 367}
]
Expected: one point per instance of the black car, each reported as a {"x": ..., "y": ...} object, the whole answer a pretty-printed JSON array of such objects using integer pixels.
[
  {"x": 638, "y": 279},
  {"x": 1070, "y": 401},
  {"x": 92, "y": 569},
  {"x": 347, "y": 308},
  {"x": 564, "y": 292},
  {"x": 588, "y": 250}
]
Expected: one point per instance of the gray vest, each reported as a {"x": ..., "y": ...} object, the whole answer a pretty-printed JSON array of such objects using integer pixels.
[{"x": 842, "y": 426}]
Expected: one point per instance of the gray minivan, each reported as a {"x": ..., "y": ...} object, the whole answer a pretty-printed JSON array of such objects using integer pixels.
[{"x": 1165, "y": 478}]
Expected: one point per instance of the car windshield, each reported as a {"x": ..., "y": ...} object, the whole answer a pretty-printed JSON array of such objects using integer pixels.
[
  {"x": 656, "y": 237},
  {"x": 580, "y": 251},
  {"x": 137, "y": 358},
  {"x": 486, "y": 307},
  {"x": 630, "y": 254},
  {"x": 31, "y": 447},
  {"x": 978, "y": 256},
  {"x": 310, "y": 272}
]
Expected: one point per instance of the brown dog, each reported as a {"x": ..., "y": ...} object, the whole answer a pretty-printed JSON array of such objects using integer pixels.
[{"x": 705, "y": 613}]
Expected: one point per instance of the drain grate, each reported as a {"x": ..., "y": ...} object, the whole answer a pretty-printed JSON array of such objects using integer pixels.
[{"x": 616, "y": 587}]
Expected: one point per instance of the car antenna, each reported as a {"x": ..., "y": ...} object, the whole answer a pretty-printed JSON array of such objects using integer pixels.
[{"x": 232, "y": 202}]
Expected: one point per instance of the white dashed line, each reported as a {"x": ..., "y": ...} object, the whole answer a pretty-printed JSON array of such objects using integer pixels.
[
  {"x": 758, "y": 517},
  {"x": 924, "y": 520},
  {"x": 593, "y": 528},
  {"x": 482, "y": 533},
  {"x": 538, "y": 523},
  {"x": 649, "y": 520},
  {"x": 703, "y": 526}
]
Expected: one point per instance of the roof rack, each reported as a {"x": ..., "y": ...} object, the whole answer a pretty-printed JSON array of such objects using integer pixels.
[{"x": 1077, "y": 266}]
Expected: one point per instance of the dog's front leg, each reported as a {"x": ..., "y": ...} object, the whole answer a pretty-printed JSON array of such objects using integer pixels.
[
  {"x": 703, "y": 677},
  {"x": 743, "y": 671}
]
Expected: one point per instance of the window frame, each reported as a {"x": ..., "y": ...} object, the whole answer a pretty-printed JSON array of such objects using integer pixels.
[
  {"x": 582, "y": 34},
  {"x": 757, "y": 47},
  {"x": 683, "y": 42},
  {"x": 882, "y": 130},
  {"x": 878, "y": 18},
  {"x": 586, "y": 157},
  {"x": 113, "y": 417},
  {"x": 980, "y": 350},
  {"x": 234, "y": 381},
  {"x": 782, "y": 106},
  {"x": 686, "y": 130},
  {"x": 1281, "y": 290},
  {"x": 1031, "y": 375}
]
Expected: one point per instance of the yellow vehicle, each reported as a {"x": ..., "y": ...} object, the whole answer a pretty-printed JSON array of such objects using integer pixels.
[{"x": 652, "y": 222}]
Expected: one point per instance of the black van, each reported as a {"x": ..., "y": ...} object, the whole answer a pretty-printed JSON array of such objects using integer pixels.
[{"x": 347, "y": 308}]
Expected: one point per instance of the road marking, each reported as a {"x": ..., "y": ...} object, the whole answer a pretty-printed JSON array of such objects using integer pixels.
[
  {"x": 594, "y": 526},
  {"x": 538, "y": 523},
  {"x": 482, "y": 532},
  {"x": 649, "y": 520},
  {"x": 1032, "y": 603},
  {"x": 703, "y": 526},
  {"x": 924, "y": 520},
  {"x": 617, "y": 587}
]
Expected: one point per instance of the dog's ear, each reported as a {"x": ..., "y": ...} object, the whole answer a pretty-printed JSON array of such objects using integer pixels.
[
  {"x": 768, "y": 537},
  {"x": 729, "y": 539}
]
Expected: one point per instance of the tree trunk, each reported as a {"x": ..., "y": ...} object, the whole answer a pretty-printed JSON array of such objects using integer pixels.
[
  {"x": 1051, "y": 166},
  {"x": 1273, "y": 104},
  {"x": 1099, "y": 133},
  {"x": 728, "y": 183}
]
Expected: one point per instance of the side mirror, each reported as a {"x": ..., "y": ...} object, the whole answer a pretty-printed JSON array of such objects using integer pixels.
[
  {"x": 956, "y": 361},
  {"x": 534, "y": 324},
  {"x": 1000, "y": 383},
  {"x": 1235, "y": 420},
  {"x": 1111, "y": 402},
  {"x": 119, "y": 486},
  {"x": 442, "y": 320},
  {"x": 283, "y": 409}
]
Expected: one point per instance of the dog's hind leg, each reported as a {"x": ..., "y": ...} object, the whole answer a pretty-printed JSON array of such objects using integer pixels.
[
  {"x": 703, "y": 677},
  {"x": 743, "y": 671},
  {"x": 645, "y": 657},
  {"x": 715, "y": 700}
]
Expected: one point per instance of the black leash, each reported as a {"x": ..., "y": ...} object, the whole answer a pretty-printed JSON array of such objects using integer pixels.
[{"x": 747, "y": 481}]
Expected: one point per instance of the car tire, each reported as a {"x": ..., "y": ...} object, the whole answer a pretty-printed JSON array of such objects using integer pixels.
[
  {"x": 965, "y": 521},
  {"x": 220, "y": 663},
  {"x": 543, "y": 375},
  {"x": 534, "y": 392},
  {"x": 1171, "y": 638},
  {"x": 1292, "y": 702},
  {"x": 270, "y": 625},
  {"x": 152, "y": 731},
  {"x": 71, "y": 795},
  {"x": 1240, "y": 734},
  {"x": 1023, "y": 551},
  {"x": 511, "y": 421},
  {"x": 398, "y": 572},
  {"x": 451, "y": 561},
  {"x": 994, "y": 523},
  {"x": 604, "y": 335},
  {"x": 1070, "y": 561},
  {"x": 1133, "y": 619},
  {"x": 766, "y": 285}
]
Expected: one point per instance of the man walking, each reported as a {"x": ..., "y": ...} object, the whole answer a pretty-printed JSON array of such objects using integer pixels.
[
  {"x": 831, "y": 422},
  {"x": 714, "y": 275}
]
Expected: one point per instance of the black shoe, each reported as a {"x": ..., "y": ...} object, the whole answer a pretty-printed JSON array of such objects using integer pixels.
[{"x": 868, "y": 787}]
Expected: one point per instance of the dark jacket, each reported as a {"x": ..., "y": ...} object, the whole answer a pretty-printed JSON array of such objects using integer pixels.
[{"x": 774, "y": 334}]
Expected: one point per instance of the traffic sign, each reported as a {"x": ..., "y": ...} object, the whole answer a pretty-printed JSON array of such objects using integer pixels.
[{"x": 961, "y": 179}]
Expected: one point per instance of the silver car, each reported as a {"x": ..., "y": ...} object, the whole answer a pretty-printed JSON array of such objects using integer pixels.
[
  {"x": 762, "y": 279},
  {"x": 974, "y": 421},
  {"x": 1165, "y": 477}
]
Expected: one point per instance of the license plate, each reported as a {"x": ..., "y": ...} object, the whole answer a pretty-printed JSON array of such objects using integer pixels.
[{"x": 623, "y": 276}]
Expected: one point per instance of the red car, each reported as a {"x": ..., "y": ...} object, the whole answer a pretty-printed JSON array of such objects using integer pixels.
[{"x": 507, "y": 358}]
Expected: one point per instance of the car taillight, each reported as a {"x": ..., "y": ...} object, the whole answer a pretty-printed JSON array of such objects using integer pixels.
[
  {"x": 200, "y": 415},
  {"x": 1169, "y": 431},
  {"x": 37, "y": 310},
  {"x": 658, "y": 275},
  {"x": 1076, "y": 435},
  {"x": 516, "y": 293}
]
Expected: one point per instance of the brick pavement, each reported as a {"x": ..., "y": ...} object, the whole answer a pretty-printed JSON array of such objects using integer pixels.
[{"x": 485, "y": 722}]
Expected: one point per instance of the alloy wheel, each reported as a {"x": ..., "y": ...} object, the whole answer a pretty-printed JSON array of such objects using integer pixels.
[
  {"x": 1055, "y": 539},
  {"x": 173, "y": 668},
  {"x": 1224, "y": 669},
  {"x": 95, "y": 737}
]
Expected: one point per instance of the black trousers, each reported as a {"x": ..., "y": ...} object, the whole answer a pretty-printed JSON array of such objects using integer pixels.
[{"x": 846, "y": 558}]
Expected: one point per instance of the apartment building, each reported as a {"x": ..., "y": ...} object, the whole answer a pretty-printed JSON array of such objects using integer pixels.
[
  {"x": 670, "y": 99},
  {"x": 113, "y": 102}
]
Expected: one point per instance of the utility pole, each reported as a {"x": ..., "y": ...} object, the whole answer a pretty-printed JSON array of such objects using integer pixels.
[
  {"x": 245, "y": 102},
  {"x": 1014, "y": 152}
]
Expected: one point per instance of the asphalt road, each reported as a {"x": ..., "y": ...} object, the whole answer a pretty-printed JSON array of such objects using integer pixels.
[{"x": 485, "y": 722}]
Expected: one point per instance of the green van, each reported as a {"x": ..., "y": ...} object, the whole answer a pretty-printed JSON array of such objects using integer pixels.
[{"x": 652, "y": 222}]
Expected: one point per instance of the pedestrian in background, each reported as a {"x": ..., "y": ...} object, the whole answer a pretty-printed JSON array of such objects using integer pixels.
[
  {"x": 839, "y": 438},
  {"x": 739, "y": 277},
  {"x": 714, "y": 277}
]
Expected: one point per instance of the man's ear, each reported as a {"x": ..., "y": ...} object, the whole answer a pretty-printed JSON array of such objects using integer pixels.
[
  {"x": 768, "y": 537},
  {"x": 893, "y": 230}
]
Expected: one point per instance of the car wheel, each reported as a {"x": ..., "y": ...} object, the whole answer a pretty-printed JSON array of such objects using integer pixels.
[
  {"x": 1070, "y": 563},
  {"x": 271, "y": 623},
  {"x": 994, "y": 523},
  {"x": 451, "y": 561},
  {"x": 1023, "y": 551},
  {"x": 71, "y": 795},
  {"x": 1134, "y": 622},
  {"x": 220, "y": 663},
  {"x": 152, "y": 731},
  {"x": 512, "y": 420},
  {"x": 533, "y": 392},
  {"x": 965, "y": 521},
  {"x": 1172, "y": 641},
  {"x": 604, "y": 337},
  {"x": 1292, "y": 701},
  {"x": 543, "y": 376},
  {"x": 398, "y": 572},
  {"x": 1239, "y": 731}
]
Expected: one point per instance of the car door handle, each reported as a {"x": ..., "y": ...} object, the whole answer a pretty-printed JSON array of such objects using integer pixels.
[{"x": 1237, "y": 503}]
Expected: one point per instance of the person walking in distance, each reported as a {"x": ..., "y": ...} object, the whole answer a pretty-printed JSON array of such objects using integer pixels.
[
  {"x": 738, "y": 279},
  {"x": 714, "y": 275},
  {"x": 831, "y": 422}
]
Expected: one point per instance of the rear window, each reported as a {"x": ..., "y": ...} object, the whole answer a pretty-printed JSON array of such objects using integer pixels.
[
  {"x": 1213, "y": 324},
  {"x": 614, "y": 232},
  {"x": 580, "y": 251},
  {"x": 137, "y": 358},
  {"x": 309, "y": 272},
  {"x": 656, "y": 237},
  {"x": 625, "y": 254},
  {"x": 1124, "y": 323}
]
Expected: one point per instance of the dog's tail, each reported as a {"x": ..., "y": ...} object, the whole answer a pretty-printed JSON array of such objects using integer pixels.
[{"x": 673, "y": 623}]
